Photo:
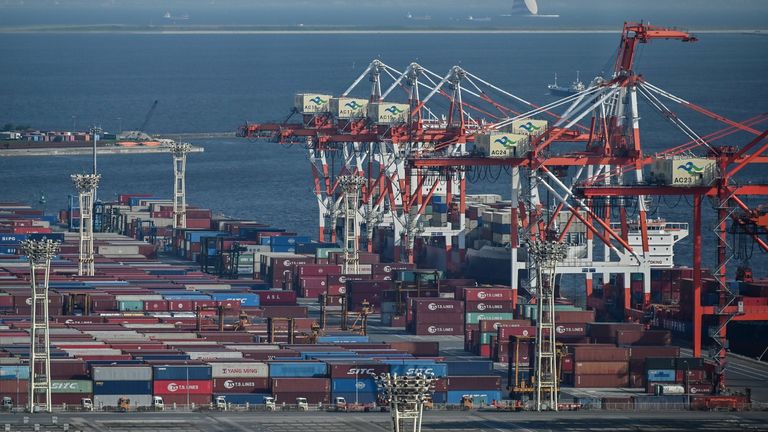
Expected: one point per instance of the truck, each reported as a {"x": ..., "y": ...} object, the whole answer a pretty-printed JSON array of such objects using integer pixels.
[
  {"x": 220, "y": 403},
  {"x": 158, "y": 404},
  {"x": 7, "y": 403},
  {"x": 86, "y": 404},
  {"x": 341, "y": 404},
  {"x": 123, "y": 404},
  {"x": 302, "y": 404},
  {"x": 269, "y": 403}
]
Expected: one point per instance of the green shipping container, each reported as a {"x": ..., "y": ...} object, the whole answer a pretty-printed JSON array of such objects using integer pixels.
[
  {"x": 323, "y": 252},
  {"x": 72, "y": 386},
  {"x": 475, "y": 317},
  {"x": 130, "y": 305},
  {"x": 485, "y": 338}
]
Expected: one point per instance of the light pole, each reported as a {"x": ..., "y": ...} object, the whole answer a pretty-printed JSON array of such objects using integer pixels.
[
  {"x": 40, "y": 253},
  {"x": 406, "y": 395},
  {"x": 546, "y": 254}
]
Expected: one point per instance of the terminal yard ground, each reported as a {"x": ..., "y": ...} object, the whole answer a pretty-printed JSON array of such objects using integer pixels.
[{"x": 375, "y": 422}]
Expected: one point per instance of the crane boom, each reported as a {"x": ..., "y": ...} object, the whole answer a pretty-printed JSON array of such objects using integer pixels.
[
  {"x": 635, "y": 33},
  {"x": 148, "y": 117}
]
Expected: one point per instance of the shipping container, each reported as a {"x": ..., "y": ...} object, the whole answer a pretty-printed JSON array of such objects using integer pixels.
[
  {"x": 388, "y": 113},
  {"x": 163, "y": 387},
  {"x": 121, "y": 387},
  {"x": 362, "y": 385},
  {"x": 309, "y": 385},
  {"x": 239, "y": 370},
  {"x": 297, "y": 369},
  {"x": 121, "y": 373},
  {"x": 182, "y": 372},
  {"x": 241, "y": 385},
  {"x": 501, "y": 144}
]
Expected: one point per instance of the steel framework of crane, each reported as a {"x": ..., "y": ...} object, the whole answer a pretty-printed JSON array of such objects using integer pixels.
[{"x": 406, "y": 156}]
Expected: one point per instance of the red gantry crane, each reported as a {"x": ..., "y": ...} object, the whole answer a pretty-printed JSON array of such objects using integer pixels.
[{"x": 577, "y": 169}]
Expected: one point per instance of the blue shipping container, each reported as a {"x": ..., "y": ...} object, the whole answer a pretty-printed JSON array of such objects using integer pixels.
[
  {"x": 478, "y": 397},
  {"x": 661, "y": 375},
  {"x": 359, "y": 397},
  {"x": 467, "y": 368},
  {"x": 283, "y": 248},
  {"x": 13, "y": 372},
  {"x": 362, "y": 385},
  {"x": 297, "y": 369},
  {"x": 122, "y": 387},
  {"x": 176, "y": 372},
  {"x": 249, "y": 300},
  {"x": 288, "y": 240},
  {"x": 414, "y": 367},
  {"x": 342, "y": 339},
  {"x": 243, "y": 398}
]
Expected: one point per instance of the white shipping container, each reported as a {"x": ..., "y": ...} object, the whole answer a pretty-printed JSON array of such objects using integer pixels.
[
  {"x": 259, "y": 347},
  {"x": 311, "y": 103},
  {"x": 199, "y": 287},
  {"x": 348, "y": 108},
  {"x": 171, "y": 335},
  {"x": 138, "y": 297},
  {"x": 500, "y": 144},
  {"x": 239, "y": 370},
  {"x": 117, "y": 249},
  {"x": 683, "y": 171},
  {"x": 111, "y": 400},
  {"x": 121, "y": 373},
  {"x": 213, "y": 355},
  {"x": 527, "y": 127},
  {"x": 80, "y": 352},
  {"x": 388, "y": 113}
]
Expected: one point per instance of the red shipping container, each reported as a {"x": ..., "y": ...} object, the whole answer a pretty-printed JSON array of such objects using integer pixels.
[
  {"x": 285, "y": 312},
  {"x": 309, "y": 385},
  {"x": 164, "y": 387},
  {"x": 485, "y": 351},
  {"x": 204, "y": 304},
  {"x": 693, "y": 376},
  {"x": 504, "y": 333},
  {"x": 439, "y": 329},
  {"x": 241, "y": 385},
  {"x": 313, "y": 282},
  {"x": 493, "y": 325},
  {"x": 473, "y": 382},
  {"x": 312, "y": 292},
  {"x": 230, "y": 305},
  {"x": 277, "y": 298},
  {"x": 488, "y": 306},
  {"x": 336, "y": 290},
  {"x": 700, "y": 389},
  {"x": 155, "y": 305},
  {"x": 487, "y": 294},
  {"x": 181, "y": 305},
  {"x": 318, "y": 269},
  {"x": 571, "y": 330},
  {"x": 436, "y": 306}
]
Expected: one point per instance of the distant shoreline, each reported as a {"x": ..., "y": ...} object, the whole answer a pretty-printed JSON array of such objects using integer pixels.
[{"x": 284, "y": 30}]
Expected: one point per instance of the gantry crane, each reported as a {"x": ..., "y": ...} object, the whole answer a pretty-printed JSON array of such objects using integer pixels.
[{"x": 587, "y": 158}]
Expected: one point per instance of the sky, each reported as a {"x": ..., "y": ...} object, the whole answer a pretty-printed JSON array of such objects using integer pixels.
[{"x": 452, "y": 13}]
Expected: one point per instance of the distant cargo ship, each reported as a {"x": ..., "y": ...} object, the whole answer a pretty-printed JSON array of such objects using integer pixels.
[{"x": 574, "y": 88}]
